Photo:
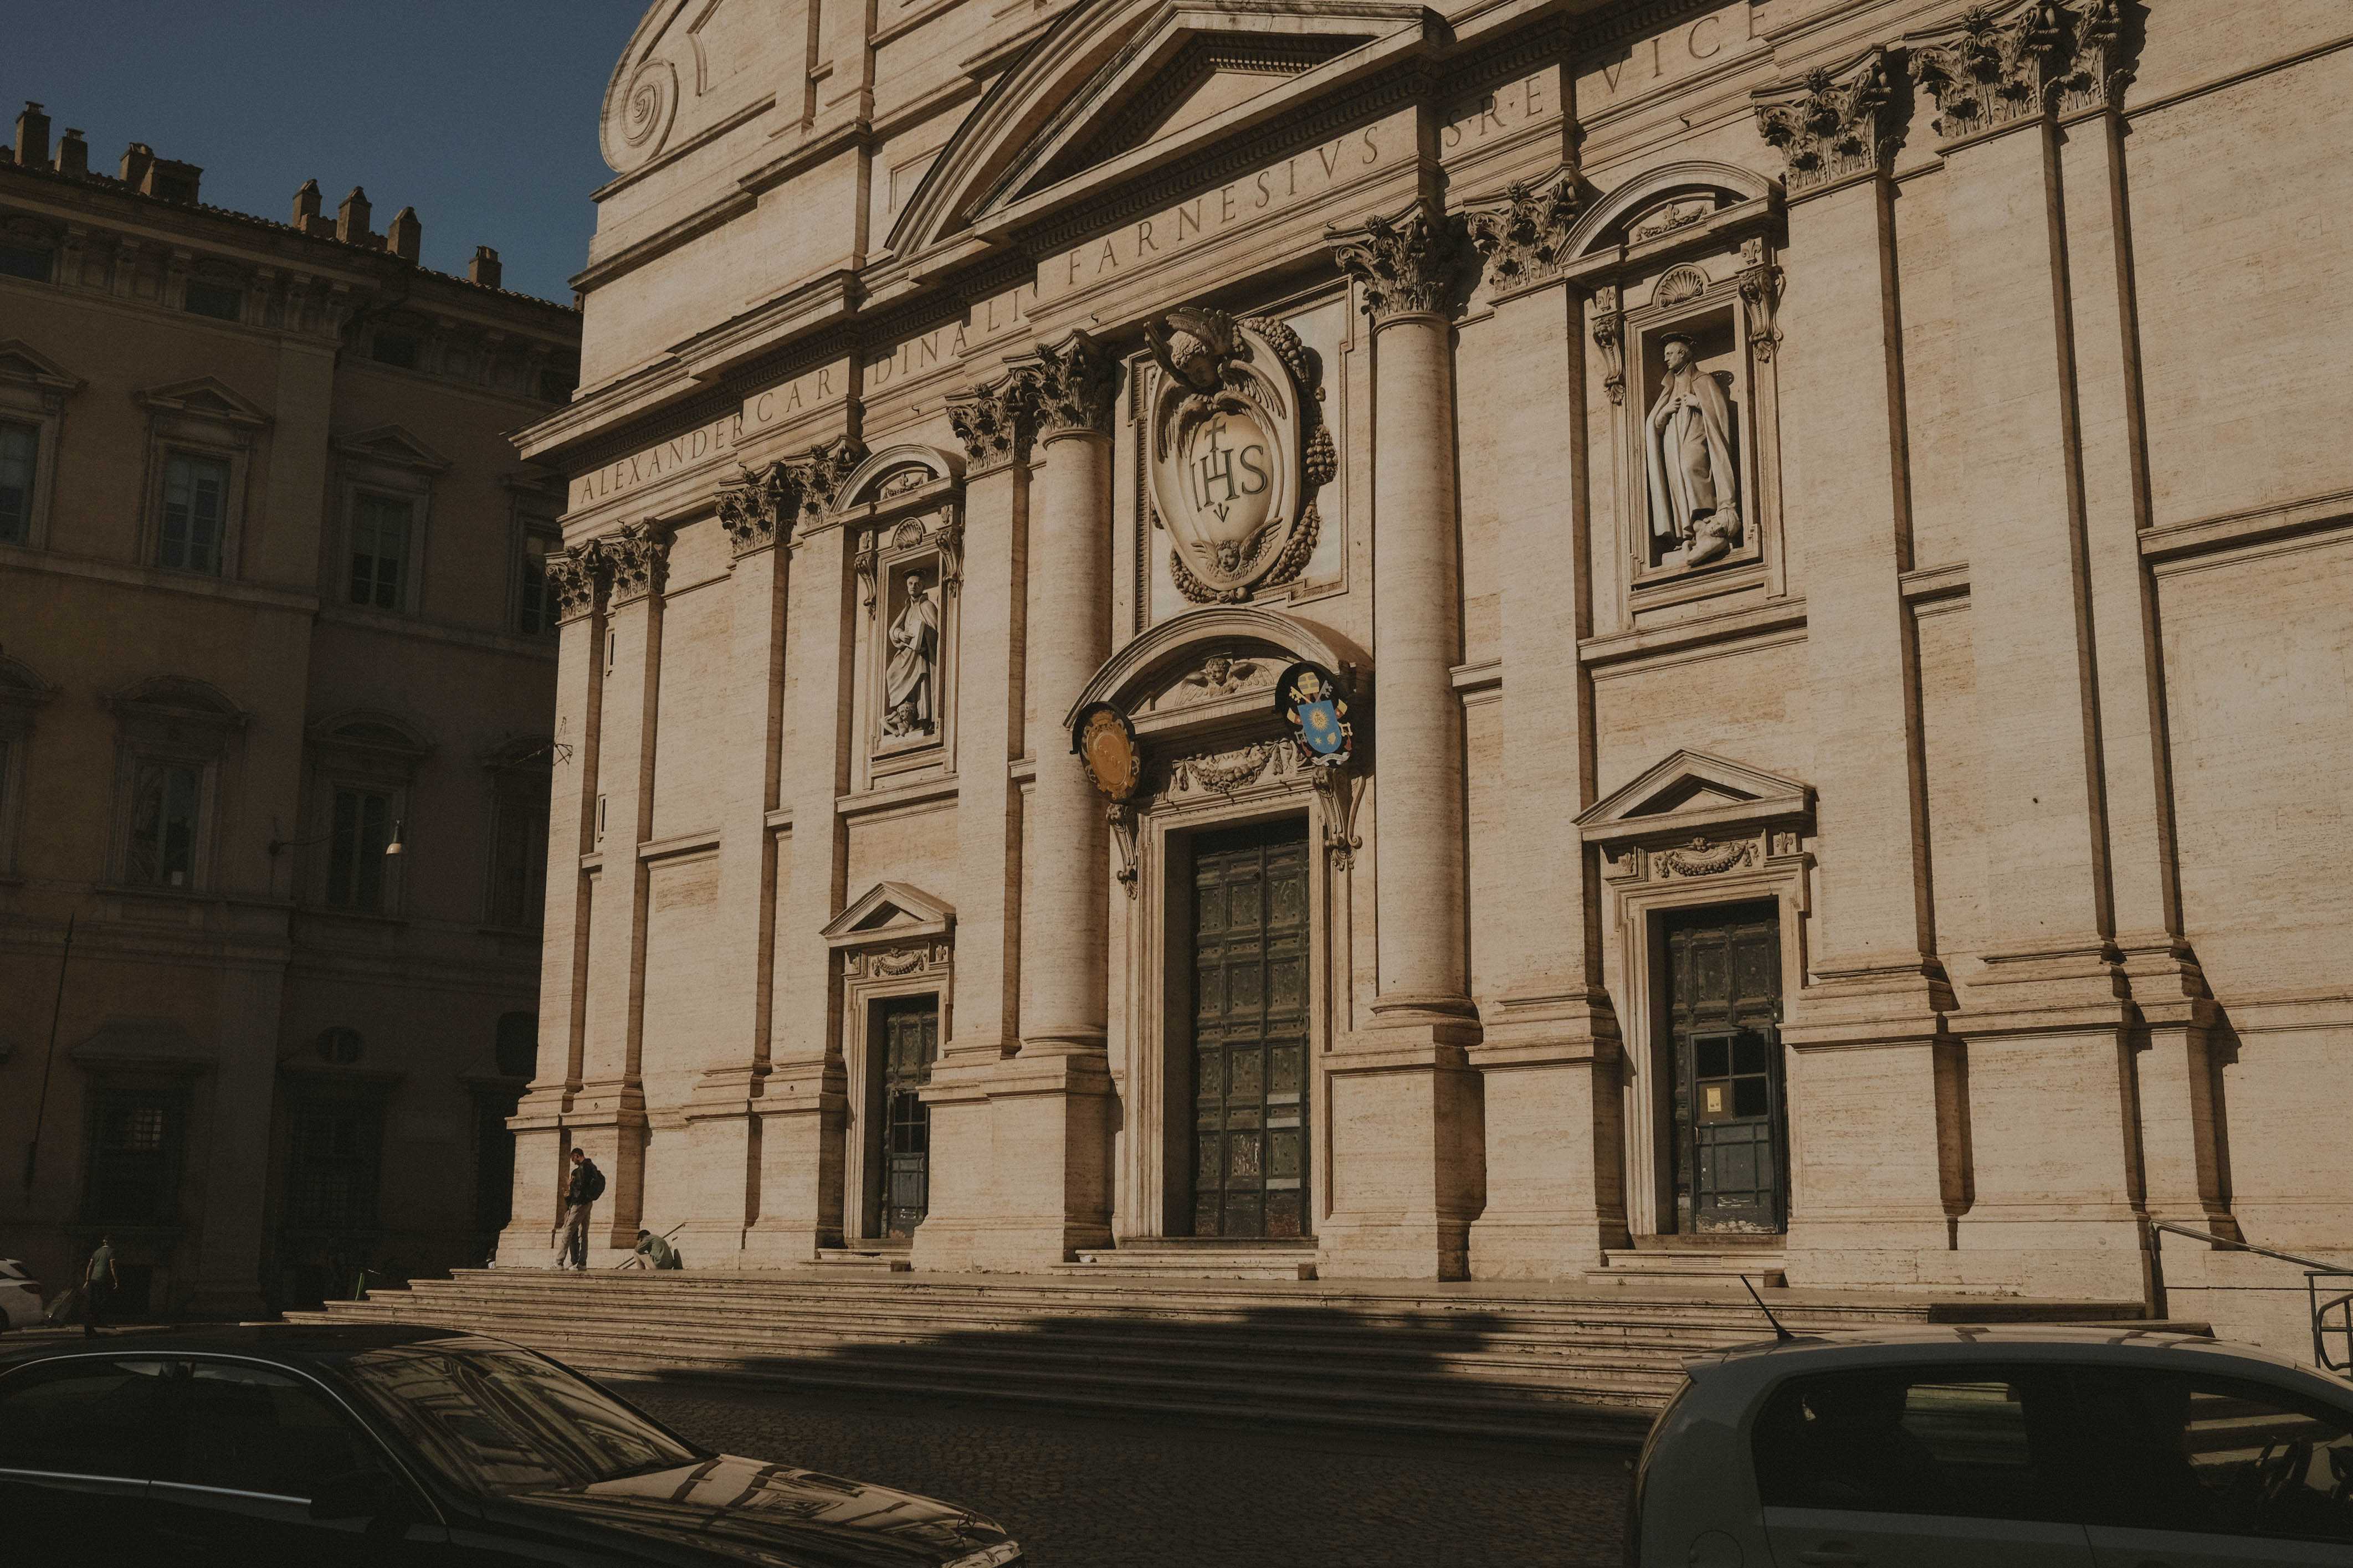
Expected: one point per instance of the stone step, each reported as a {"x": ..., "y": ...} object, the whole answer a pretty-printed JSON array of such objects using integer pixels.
[
  {"x": 885, "y": 1260},
  {"x": 1194, "y": 1263},
  {"x": 1763, "y": 1269}
]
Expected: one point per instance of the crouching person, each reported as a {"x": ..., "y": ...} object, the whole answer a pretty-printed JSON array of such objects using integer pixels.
[{"x": 658, "y": 1253}]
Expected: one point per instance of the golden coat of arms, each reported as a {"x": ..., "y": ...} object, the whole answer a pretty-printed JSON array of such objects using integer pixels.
[{"x": 1238, "y": 450}]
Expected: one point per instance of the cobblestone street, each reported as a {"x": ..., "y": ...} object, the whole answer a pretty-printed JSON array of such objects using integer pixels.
[{"x": 1100, "y": 1491}]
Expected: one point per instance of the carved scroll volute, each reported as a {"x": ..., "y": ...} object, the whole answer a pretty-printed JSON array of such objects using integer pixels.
[
  {"x": 994, "y": 422},
  {"x": 1610, "y": 337},
  {"x": 1999, "y": 64},
  {"x": 1835, "y": 125},
  {"x": 575, "y": 576},
  {"x": 1414, "y": 264},
  {"x": 1760, "y": 288},
  {"x": 1523, "y": 238}
]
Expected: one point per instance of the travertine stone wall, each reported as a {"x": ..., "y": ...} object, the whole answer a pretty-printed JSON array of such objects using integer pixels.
[{"x": 2006, "y": 670}]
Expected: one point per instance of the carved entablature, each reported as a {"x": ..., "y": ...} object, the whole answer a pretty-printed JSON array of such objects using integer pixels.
[
  {"x": 1701, "y": 819},
  {"x": 575, "y": 575},
  {"x": 1999, "y": 64},
  {"x": 1680, "y": 265},
  {"x": 1833, "y": 126},
  {"x": 754, "y": 511},
  {"x": 1414, "y": 264},
  {"x": 636, "y": 557},
  {"x": 1524, "y": 235},
  {"x": 995, "y": 422},
  {"x": 1072, "y": 387}
]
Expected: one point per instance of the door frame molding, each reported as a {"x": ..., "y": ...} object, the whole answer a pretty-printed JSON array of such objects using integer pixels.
[{"x": 895, "y": 940}]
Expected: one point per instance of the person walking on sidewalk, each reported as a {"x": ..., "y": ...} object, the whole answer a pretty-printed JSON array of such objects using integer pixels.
[
  {"x": 98, "y": 1282},
  {"x": 585, "y": 1186}
]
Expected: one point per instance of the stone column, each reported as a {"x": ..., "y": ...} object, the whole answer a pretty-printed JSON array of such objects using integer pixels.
[
  {"x": 2048, "y": 1022},
  {"x": 529, "y": 1240},
  {"x": 1051, "y": 1107},
  {"x": 803, "y": 1108},
  {"x": 722, "y": 1123},
  {"x": 1404, "y": 1104},
  {"x": 1872, "y": 1070},
  {"x": 995, "y": 425},
  {"x": 607, "y": 1117},
  {"x": 2175, "y": 1070},
  {"x": 1550, "y": 1057}
]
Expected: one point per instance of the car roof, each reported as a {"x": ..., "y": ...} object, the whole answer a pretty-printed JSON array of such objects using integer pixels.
[
  {"x": 319, "y": 1343},
  {"x": 2110, "y": 1343}
]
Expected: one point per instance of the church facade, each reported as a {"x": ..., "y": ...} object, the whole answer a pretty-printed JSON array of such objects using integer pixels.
[{"x": 1477, "y": 645}]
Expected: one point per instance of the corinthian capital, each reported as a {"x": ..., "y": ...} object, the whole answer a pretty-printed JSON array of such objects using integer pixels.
[
  {"x": 1833, "y": 125},
  {"x": 2019, "y": 60},
  {"x": 818, "y": 478},
  {"x": 1523, "y": 236},
  {"x": 638, "y": 557},
  {"x": 994, "y": 422},
  {"x": 573, "y": 575},
  {"x": 758, "y": 508},
  {"x": 1411, "y": 265},
  {"x": 1074, "y": 386}
]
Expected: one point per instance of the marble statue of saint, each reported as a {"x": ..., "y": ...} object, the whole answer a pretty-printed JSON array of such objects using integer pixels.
[
  {"x": 1694, "y": 487},
  {"x": 909, "y": 682}
]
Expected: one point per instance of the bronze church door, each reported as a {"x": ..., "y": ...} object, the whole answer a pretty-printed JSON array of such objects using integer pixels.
[
  {"x": 1723, "y": 989},
  {"x": 899, "y": 1150},
  {"x": 1250, "y": 1032}
]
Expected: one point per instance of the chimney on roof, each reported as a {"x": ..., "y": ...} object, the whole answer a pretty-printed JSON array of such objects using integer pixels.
[
  {"x": 484, "y": 269},
  {"x": 306, "y": 205},
  {"x": 351, "y": 218},
  {"x": 135, "y": 159},
  {"x": 170, "y": 179},
  {"x": 73, "y": 155},
  {"x": 404, "y": 236},
  {"x": 33, "y": 137}
]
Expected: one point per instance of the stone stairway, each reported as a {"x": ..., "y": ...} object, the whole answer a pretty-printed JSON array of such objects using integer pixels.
[{"x": 1551, "y": 1363}]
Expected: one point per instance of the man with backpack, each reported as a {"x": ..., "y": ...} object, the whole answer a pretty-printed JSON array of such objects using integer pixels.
[{"x": 586, "y": 1186}]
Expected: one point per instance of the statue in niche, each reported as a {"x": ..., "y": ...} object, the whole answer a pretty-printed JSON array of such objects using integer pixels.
[
  {"x": 1695, "y": 485},
  {"x": 911, "y": 679}
]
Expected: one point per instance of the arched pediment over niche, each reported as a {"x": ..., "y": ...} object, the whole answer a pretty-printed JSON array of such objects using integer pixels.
[
  {"x": 1109, "y": 79},
  {"x": 1659, "y": 201},
  {"x": 895, "y": 470},
  {"x": 1208, "y": 666}
]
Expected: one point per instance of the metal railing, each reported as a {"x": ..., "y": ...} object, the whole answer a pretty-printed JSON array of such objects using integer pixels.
[{"x": 2333, "y": 1317}]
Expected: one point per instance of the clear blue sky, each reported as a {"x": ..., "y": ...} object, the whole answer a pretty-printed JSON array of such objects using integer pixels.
[{"x": 482, "y": 114}]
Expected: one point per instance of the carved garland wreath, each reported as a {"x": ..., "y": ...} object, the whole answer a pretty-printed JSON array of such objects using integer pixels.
[{"x": 1320, "y": 461}]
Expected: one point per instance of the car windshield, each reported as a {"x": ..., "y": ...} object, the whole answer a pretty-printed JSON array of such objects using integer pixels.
[{"x": 496, "y": 1420}]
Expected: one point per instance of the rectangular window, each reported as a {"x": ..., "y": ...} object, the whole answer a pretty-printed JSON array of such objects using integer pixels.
[
  {"x": 363, "y": 826},
  {"x": 20, "y": 451},
  {"x": 1923, "y": 1441},
  {"x": 195, "y": 511},
  {"x": 518, "y": 867},
  {"x": 134, "y": 1158},
  {"x": 164, "y": 798},
  {"x": 534, "y": 595},
  {"x": 24, "y": 261},
  {"x": 393, "y": 349},
  {"x": 222, "y": 301},
  {"x": 331, "y": 1179},
  {"x": 380, "y": 529}
]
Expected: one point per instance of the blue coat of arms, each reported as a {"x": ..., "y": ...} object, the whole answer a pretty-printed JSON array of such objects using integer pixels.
[{"x": 1311, "y": 702}]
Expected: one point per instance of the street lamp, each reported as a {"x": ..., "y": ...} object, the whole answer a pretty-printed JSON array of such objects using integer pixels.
[{"x": 395, "y": 846}]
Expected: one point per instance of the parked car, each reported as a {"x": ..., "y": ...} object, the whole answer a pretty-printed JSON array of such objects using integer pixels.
[
  {"x": 2028, "y": 1446},
  {"x": 277, "y": 1442},
  {"x": 20, "y": 1296}
]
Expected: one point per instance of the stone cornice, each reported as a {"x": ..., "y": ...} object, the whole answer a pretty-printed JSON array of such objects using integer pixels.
[
  {"x": 1413, "y": 264},
  {"x": 1074, "y": 386},
  {"x": 1524, "y": 235},
  {"x": 1998, "y": 65},
  {"x": 1833, "y": 126}
]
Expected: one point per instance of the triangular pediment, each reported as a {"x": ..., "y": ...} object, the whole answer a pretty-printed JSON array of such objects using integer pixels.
[
  {"x": 205, "y": 397},
  {"x": 1691, "y": 790},
  {"x": 392, "y": 445},
  {"x": 21, "y": 362},
  {"x": 1108, "y": 79},
  {"x": 889, "y": 910}
]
